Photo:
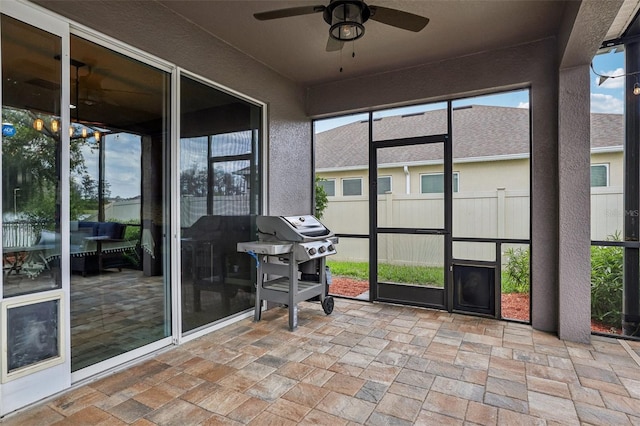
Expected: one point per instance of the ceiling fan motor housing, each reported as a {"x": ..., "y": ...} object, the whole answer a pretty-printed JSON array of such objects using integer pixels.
[{"x": 346, "y": 18}]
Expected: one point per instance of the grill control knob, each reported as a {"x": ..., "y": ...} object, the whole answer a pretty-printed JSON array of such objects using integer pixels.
[
  {"x": 322, "y": 249},
  {"x": 312, "y": 251},
  {"x": 330, "y": 247}
]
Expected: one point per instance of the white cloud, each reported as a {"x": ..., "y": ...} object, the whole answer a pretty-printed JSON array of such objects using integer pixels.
[
  {"x": 611, "y": 83},
  {"x": 523, "y": 105},
  {"x": 606, "y": 103}
]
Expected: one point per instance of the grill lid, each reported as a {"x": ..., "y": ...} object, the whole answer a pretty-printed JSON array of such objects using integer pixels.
[{"x": 291, "y": 228}]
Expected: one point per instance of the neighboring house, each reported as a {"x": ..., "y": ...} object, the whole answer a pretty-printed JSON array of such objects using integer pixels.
[
  {"x": 490, "y": 151},
  {"x": 491, "y": 179}
]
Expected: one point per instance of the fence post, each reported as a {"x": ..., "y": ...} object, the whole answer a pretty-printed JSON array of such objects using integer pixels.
[
  {"x": 501, "y": 212},
  {"x": 388, "y": 201}
]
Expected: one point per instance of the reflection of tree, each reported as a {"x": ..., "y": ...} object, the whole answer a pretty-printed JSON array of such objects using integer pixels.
[
  {"x": 225, "y": 183},
  {"x": 193, "y": 181},
  {"x": 31, "y": 162},
  {"x": 88, "y": 189},
  {"x": 84, "y": 196}
]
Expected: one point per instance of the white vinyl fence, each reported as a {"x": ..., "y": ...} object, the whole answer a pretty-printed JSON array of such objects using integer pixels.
[{"x": 492, "y": 214}]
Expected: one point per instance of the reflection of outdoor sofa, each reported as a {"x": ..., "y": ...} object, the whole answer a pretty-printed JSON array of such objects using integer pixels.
[{"x": 99, "y": 245}]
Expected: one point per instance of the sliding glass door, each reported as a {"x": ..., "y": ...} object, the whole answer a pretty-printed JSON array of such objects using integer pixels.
[
  {"x": 219, "y": 197},
  {"x": 118, "y": 199}
]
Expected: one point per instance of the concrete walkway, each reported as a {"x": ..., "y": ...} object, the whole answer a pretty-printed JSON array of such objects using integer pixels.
[{"x": 371, "y": 364}]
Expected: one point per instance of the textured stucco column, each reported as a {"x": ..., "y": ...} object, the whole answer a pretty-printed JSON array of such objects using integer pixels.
[{"x": 574, "y": 262}]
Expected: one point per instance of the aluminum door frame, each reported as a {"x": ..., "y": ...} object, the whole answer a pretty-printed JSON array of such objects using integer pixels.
[{"x": 431, "y": 297}]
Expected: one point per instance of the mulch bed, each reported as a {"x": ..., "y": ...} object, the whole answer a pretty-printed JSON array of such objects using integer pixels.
[
  {"x": 347, "y": 287},
  {"x": 514, "y": 306}
]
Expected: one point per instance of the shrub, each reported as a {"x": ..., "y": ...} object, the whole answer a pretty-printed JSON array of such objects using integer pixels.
[
  {"x": 516, "y": 271},
  {"x": 320, "y": 198},
  {"x": 606, "y": 283}
]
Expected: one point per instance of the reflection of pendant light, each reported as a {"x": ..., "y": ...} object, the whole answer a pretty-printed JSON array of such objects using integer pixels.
[
  {"x": 84, "y": 132},
  {"x": 71, "y": 131},
  {"x": 54, "y": 125},
  {"x": 38, "y": 124},
  {"x": 96, "y": 135}
]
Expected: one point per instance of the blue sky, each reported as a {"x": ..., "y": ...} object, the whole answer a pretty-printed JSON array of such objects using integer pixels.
[
  {"x": 122, "y": 163},
  {"x": 607, "y": 98}
]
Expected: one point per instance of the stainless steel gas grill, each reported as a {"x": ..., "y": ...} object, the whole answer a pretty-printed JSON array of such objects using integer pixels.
[{"x": 290, "y": 254}]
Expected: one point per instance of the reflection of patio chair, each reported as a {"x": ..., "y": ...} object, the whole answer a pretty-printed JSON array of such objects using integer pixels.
[{"x": 32, "y": 260}]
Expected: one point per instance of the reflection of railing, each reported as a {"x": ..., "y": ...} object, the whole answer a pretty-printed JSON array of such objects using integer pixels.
[{"x": 21, "y": 233}]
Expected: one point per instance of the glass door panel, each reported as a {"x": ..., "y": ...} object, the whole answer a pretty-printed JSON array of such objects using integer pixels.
[
  {"x": 219, "y": 198},
  {"x": 119, "y": 218},
  {"x": 31, "y": 152}
]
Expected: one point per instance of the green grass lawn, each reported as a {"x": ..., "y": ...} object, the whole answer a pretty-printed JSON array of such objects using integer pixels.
[{"x": 420, "y": 275}]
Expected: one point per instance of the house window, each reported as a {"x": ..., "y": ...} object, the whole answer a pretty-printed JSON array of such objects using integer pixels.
[
  {"x": 384, "y": 184},
  {"x": 433, "y": 183},
  {"x": 352, "y": 186},
  {"x": 599, "y": 175},
  {"x": 329, "y": 187}
]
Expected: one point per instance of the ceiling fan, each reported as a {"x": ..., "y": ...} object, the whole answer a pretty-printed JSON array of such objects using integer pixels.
[{"x": 347, "y": 17}]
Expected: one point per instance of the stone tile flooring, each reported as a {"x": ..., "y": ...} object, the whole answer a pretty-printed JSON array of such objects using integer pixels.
[{"x": 371, "y": 364}]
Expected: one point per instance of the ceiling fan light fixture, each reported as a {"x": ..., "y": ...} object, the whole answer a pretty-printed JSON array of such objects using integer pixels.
[
  {"x": 346, "y": 20},
  {"x": 347, "y": 31}
]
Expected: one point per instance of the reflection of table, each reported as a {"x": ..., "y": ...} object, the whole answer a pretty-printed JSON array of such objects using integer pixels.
[
  {"x": 17, "y": 257},
  {"x": 100, "y": 239}
]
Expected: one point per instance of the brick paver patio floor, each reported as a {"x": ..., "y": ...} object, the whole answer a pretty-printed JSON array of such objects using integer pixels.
[{"x": 373, "y": 364}]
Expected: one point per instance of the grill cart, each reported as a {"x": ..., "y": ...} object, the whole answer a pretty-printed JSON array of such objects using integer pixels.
[{"x": 290, "y": 254}]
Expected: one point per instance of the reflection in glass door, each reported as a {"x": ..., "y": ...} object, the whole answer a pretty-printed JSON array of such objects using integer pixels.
[
  {"x": 119, "y": 217},
  {"x": 219, "y": 198},
  {"x": 412, "y": 233},
  {"x": 31, "y": 155}
]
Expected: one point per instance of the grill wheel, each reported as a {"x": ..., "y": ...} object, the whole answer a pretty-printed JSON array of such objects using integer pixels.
[{"x": 327, "y": 305}]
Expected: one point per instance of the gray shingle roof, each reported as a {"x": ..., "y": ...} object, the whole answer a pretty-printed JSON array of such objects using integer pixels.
[{"x": 478, "y": 131}]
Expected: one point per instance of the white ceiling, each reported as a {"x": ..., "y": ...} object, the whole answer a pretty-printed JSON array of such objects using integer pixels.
[{"x": 295, "y": 46}]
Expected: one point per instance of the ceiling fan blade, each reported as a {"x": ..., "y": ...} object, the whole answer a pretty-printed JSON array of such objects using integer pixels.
[
  {"x": 334, "y": 45},
  {"x": 398, "y": 18},
  {"x": 285, "y": 13}
]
